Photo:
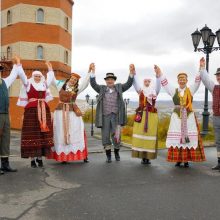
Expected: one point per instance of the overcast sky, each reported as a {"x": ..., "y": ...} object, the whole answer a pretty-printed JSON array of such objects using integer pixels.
[{"x": 115, "y": 33}]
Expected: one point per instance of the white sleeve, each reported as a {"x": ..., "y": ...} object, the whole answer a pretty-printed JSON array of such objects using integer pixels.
[
  {"x": 166, "y": 85},
  {"x": 84, "y": 84},
  {"x": 209, "y": 84},
  {"x": 195, "y": 86},
  {"x": 50, "y": 77},
  {"x": 136, "y": 84},
  {"x": 22, "y": 75},
  {"x": 12, "y": 77},
  {"x": 158, "y": 86}
]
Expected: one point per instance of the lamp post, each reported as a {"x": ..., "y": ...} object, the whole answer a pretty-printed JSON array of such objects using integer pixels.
[
  {"x": 126, "y": 101},
  {"x": 91, "y": 102},
  {"x": 208, "y": 38}
]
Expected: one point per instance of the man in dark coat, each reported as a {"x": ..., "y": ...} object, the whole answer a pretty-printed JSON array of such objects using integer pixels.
[
  {"x": 4, "y": 118},
  {"x": 110, "y": 111}
]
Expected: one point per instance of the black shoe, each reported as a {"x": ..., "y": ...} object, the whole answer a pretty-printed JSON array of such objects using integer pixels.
[
  {"x": 109, "y": 156},
  {"x": 1, "y": 172},
  {"x": 6, "y": 166},
  {"x": 86, "y": 160},
  {"x": 64, "y": 162},
  {"x": 117, "y": 156},
  {"x": 145, "y": 161},
  {"x": 178, "y": 164},
  {"x": 217, "y": 167},
  {"x": 186, "y": 165},
  {"x": 33, "y": 164},
  {"x": 40, "y": 163}
]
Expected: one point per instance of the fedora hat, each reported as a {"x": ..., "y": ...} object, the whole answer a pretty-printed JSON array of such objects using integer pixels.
[
  {"x": 217, "y": 71},
  {"x": 110, "y": 76}
]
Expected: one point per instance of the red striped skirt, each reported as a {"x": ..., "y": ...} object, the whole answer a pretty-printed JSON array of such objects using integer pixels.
[
  {"x": 184, "y": 155},
  {"x": 35, "y": 143}
]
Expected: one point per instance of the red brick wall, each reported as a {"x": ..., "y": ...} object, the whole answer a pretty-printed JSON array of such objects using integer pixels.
[{"x": 65, "y": 5}]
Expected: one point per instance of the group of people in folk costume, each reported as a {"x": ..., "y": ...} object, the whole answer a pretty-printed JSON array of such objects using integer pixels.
[{"x": 63, "y": 138}]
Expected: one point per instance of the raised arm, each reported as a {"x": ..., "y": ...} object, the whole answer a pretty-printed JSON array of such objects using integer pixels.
[
  {"x": 195, "y": 86},
  {"x": 209, "y": 84},
  {"x": 84, "y": 84},
  {"x": 164, "y": 82},
  {"x": 21, "y": 72},
  {"x": 158, "y": 86},
  {"x": 136, "y": 84},
  {"x": 93, "y": 82},
  {"x": 50, "y": 74},
  {"x": 12, "y": 77},
  {"x": 128, "y": 84}
]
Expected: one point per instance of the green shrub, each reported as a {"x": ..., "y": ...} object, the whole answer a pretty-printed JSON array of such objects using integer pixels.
[{"x": 87, "y": 116}]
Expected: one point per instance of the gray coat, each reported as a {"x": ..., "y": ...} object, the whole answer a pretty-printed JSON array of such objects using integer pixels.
[{"x": 101, "y": 89}]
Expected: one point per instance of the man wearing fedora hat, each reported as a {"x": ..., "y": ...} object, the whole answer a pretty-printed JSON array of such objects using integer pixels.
[
  {"x": 215, "y": 90},
  {"x": 110, "y": 111}
]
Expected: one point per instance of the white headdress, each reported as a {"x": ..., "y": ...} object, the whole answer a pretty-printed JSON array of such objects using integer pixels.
[{"x": 150, "y": 91}]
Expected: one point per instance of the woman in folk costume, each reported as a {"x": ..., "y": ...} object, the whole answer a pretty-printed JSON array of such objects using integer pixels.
[
  {"x": 37, "y": 130},
  {"x": 184, "y": 142},
  {"x": 70, "y": 143},
  {"x": 144, "y": 140}
]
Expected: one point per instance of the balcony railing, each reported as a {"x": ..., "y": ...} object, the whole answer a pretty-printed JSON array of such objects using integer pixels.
[{"x": 6, "y": 56}]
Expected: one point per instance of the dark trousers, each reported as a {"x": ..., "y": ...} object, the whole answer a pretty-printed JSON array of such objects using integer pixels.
[
  {"x": 108, "y": 131},
  {"x": 4, "y": 135}
]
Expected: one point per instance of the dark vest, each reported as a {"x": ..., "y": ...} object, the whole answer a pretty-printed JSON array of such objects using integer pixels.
[
  {"x": 4, "y": 99},
  {"x": 110, "y": 103},
  {"x": 216, "y": 100}
]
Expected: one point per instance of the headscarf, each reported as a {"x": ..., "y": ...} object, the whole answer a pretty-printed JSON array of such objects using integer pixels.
[
  {"x": 41, "y": 86},
  {"x": 150, "y": 91}
]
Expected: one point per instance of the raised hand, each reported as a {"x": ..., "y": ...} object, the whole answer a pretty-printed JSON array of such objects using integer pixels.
[
  {"x": 132, "y": 69},
  {"x": 92, "y": 68},
  {"x": 202, "y": 63},
  {"x": 157, "y": 70},
  {"x": 49, "y": 65},
  {"x": 16, "y": 59}
]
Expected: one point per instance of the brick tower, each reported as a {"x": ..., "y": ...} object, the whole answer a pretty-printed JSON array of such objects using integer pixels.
[{"x": 36, "y": 30}]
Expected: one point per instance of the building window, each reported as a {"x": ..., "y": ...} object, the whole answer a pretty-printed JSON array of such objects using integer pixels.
[
  {"x": 9, "y": 52},
  {"x": 66, "y": 57},
  {"x": 40, "y": 15},
  {"x": 9, "y": 17},
  {"x": 66, "y": 23},
  {"x": 40, "y": 52}
]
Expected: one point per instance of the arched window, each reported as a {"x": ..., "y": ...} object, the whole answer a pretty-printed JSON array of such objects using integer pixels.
[
  {"x": 9, "y": 17},
  {"x": 66, "y": 57},
  {"x": 40, "y": 15},
  {"x": 9, "y": 53},
  {"x": 66, "y": 23},
  {"x": 40, "y": 52}
]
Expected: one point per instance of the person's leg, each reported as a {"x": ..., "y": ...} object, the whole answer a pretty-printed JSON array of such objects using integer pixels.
[
  {"x": 5, "y": 143},
  {"x": 216, "y": 125},
  {"x": 39, "y": 161},
  {"x": 115, "y": 135},
  {"x": 1, "y": 131},
  {"x": 33, "y": 162},
  {"x": 106, "y": 142}
]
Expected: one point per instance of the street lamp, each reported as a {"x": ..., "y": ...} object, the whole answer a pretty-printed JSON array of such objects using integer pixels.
[
  {"x": 92, "y": 102},
  {"x": 208, "y": 38},
  {"x": 126, "y": 101}
]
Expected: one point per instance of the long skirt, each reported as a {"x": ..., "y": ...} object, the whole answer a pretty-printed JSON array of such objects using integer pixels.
[
  {"x": 145, "y": 143},
  {"x": 76, "y": 149},
  {"x": 35, "y": 143},
  {"x": 193, "y": 151}
]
